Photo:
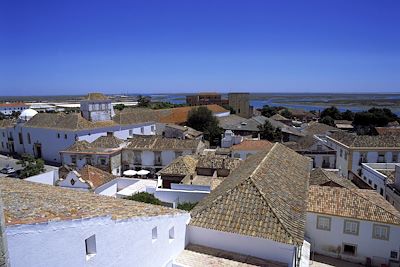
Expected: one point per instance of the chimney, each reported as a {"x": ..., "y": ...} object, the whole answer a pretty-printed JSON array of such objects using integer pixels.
[{"x": 397, "y": 176}]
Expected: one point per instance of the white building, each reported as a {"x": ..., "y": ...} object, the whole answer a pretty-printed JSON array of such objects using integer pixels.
[
  {"x": 155, "y": 152},
  {"x": 52, "y": 226},
  {"x": 46, "y": 134},
  {"x": 103, "y": 153},
  {"x": 229, "y": 139},
  {"x": 353, "y": 150},
  {"x": 258, "y": 210},
  {"x": 353, "y": 224},
  {"x": 8, "y": 108},
  {"x": 87, "y": 178},
  {"x": 385, "y": 179}
]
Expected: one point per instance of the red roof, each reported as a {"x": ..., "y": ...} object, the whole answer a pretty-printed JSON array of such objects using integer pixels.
[{"x": 13, "y": 104}]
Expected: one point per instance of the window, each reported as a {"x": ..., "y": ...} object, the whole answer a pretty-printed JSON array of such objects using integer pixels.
[
  {"x": 90, "y": 245},
  {"x": 157, "y": 160},
  {"x": 137, "y": 157},
  {"x": 2, "y": 144},
  {"x": 178, "y": 154},
  {"x": 375, "y": 186},
  {"x": 380, "y": 232},
  {"x": 153, "y": 128},
  {"x": 381, "y": 192},
  {"x": 351, "y": 227},
  {"x": 323, "y": 223},
  {"x": 65, "y": 136},
  {"x": 142, "y": 130},
  {"x": 341, "y": 153},
  {"x": 171, "y": 234},
  {"x": 394, "y": 255},
  {"x": 369, "y": 182},
  {"x": 394, "y": 157},
  {"x": 73, "y": 159},
  {"x": 154, "y": 234},
  {"x": 88, "y": 160},
  {"x": 345, "y": 155},
  {"x": 349, "y": 249},
  {"x": 103, "y": 161},
  {"x": 130, "y": 132},
  {"x": 58, "y": 135},
  {"x": 381, "y": 158},
  {"x": 20, "y": 138},
  {"x": 29, "y": 138},
  {"x": 4, "y": 135}
]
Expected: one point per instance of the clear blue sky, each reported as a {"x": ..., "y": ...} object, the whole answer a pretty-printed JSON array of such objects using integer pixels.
[{"x": 72, "y": 47}]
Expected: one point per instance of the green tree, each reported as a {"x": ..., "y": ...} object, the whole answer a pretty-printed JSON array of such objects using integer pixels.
[
  {"x": 231, "y": 109},
  {"x": 348, "y": 115},
  {"x": 332, "y": 112},
  {"x": 31, "y": 166},
  {"x": 328, "y": 121},
  {"x": 202, "y": 119},
  {"x": 143, "y": 101},
  {"x": 286, "y": 113},
  {"x": 268, "y": 111},
  {"x": 269, "y": 132},
  {"x": 145, "y": 197},
  {"x": 119, "y": 107},
  {"x": 188, "y": 206}
]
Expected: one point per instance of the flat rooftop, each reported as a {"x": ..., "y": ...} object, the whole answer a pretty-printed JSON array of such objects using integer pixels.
[
  {"x": 29, "y": 203},
  {"x": 199, "y": 256}
]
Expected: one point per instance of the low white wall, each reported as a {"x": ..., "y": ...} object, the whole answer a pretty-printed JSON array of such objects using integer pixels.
[
  {"x": 118, "y": 243},
  {"x": 44, "y": 178},
  {"x": 247, "y": 245},
  {"x": 179, "y": 196},
  {"x": 190, "y": 187}
]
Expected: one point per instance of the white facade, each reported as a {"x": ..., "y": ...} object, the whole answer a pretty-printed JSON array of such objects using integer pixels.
[
  {"x": 247, "y": 245},
  {"x": 243, "y": 154},
  {"x": 128, "y": 242},
  {"x": 331, "y": 242},
  {"x": 9, "y": 108},
  {"x": 47, "y": 143},
  {"x": 73, "y": 181},
  {"x": 350, "y": 159}
]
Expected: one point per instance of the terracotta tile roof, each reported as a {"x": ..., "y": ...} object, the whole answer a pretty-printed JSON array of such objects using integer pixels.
[
  {"x": 63, "y": 121},
  {"x": 136, "y": 115},
  {"x": 108, "y": 141},
  {"x": 96, "y": 96},
  {"x": 217, "y": 162},
  {"x": 6, "y": 123},
  {"x": 183, "y": 166},
  {"x": 352, "y": 140},
  {"x": 265, "y": 197},
  {"x": 318, "y": 128},
  {"x": 94, "y": 176},
  {"x": 361, "y": 204},
  {"x": 322, "y": 177},
  {"x": 158, "y": 143},
  {"x": 387, "y": 130},
  {"x": 13, "y": 104},
  {"x": 279, "y": 117},
  {"x": 253, "y": 145},
  {"x": 303, "y": 143},
  {"x": 30, "y": 203},
  {"x": 103, "y": 144}
]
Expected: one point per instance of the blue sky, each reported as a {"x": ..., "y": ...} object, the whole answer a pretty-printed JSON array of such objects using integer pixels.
[{"x": 72, "y": 47}]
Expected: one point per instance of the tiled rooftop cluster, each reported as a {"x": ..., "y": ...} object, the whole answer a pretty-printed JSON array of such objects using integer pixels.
[
  {"x": 352, "y": 140},
  {"x": 160, "y": 143},
  {"x": 322, "y": 177},
  {"x": 30, "y": 203},
  {"x": 253, "y": 145},
  {"x": 359, "y": 204},
  {"x": 103, "y": 144},
  {"x": 261, "y": 198},
  {"x": 93, "y": 176}
]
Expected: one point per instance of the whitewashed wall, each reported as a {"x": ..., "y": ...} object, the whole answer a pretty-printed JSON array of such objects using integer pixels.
[
  {"x": 325, "y": 242},
  {"x": 125, "y": 242},
  {"x": 48, "y": 177},
  {"x": 243, "y": 154},
  {"x": 247, "y": 245}
]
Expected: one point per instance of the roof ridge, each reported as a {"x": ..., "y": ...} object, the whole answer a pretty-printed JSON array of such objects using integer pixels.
[
  {"x": 262, "y": 195},
  {"x": 376, "y": 204}
]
